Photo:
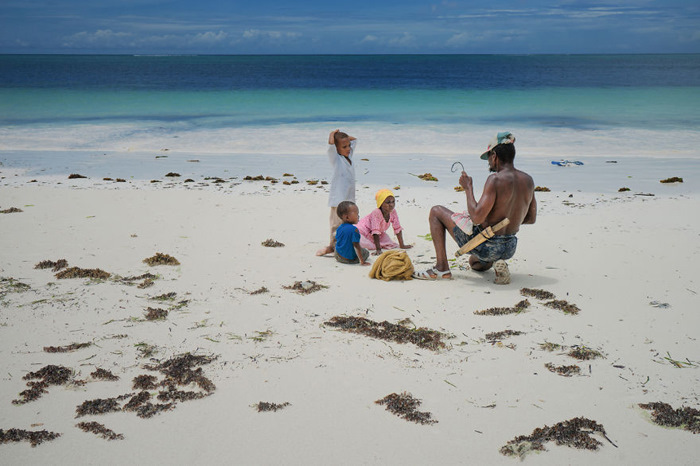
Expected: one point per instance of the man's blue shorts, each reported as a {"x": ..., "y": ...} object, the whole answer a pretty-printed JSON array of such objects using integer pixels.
[{"x": 496, "y": 248}]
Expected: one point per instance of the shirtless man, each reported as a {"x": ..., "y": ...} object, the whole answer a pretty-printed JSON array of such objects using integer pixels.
[{"x": 508, "y": 193}]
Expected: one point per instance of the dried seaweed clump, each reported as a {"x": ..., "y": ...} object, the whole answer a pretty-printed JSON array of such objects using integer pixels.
[
  {"x": 77, "y": 272},
  {"x": 99, "y": 429},
  {"x": 74, "y": 176},
  {"x": 264, "y": 406},
  {"x": 146, "y": 277},
  {"x": 145, "y": 382},
  {"x": 54, "y": 266},
  {"x": 542, "y": 189},
  {"x": 260, "y": 290},
  {"x": 673, "y": 179},
  {"x": 405, "y": 406},
  {"x": 566, "y": 371},
  {"x": 34, "y": 437},
  {"x": 161, "y": 259},
  {"x": 67, "y": 348},
  {"x": 11, "y": 210},
  {"x": 271, "y": 243},
  {"x": 180, "y": 370},
  {"x": 47, "y": 375},
  {"x": 537, "y": 293},
  {"x": 549, "y": 346},
  {"x": 564, "y": 306},
  {"x": 499, "y": 311},
  {"x": 172, "y": 394},
  {"x": 143, "y": 408},
  {"x": 663, "y": 414},
  {"x": 584, "y": 353},
  {"x": 575, "y": 433},
  {"x": 422, "y": 337},
  {"x": 103, "y": 374},
  {"x": 165, "y": 296},
  {"x": 427, "y": 177},
  {"x": 155, "y": 313},
  {"x": 496, "y": 336},
  {"x": 305, "y": 287},
  {"x": 99, "y": 406}
]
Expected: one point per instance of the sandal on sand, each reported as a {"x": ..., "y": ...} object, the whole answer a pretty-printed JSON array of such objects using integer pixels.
[
  {"x": 502, "y": 272},
  {"x": 432, "y": 274}
]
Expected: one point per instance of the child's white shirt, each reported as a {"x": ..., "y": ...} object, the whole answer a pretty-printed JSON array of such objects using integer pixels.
[{"x": 343, "y": 181}]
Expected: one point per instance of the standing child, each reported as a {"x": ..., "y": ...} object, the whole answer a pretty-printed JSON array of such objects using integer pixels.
[
  {"x": 373, "y": 227},
  {"x": 347, "y": 238},
  {"x": 340, "y": 150}
]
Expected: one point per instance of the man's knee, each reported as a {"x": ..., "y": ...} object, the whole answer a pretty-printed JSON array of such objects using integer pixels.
[{"x": 436, "y": 212}]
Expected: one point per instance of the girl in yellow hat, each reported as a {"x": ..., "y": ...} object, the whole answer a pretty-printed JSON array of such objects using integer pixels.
[{"x": 373, "y": 227}]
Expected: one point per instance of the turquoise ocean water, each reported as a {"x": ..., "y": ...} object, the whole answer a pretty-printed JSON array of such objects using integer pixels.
[{"x": 60, "y": 111}]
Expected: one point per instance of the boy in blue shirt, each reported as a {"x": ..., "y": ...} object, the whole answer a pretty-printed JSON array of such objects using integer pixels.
[{"x": 347, "y": 237}]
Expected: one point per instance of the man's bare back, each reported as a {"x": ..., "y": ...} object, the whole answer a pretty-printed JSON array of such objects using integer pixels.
[{"x": 514, "y": 200}]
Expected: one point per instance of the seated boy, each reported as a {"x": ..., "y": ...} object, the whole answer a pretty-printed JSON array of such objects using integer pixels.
[{"x": 347, "y": 237}]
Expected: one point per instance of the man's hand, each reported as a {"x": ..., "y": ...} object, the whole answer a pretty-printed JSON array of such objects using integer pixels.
[{"x": 465, "y": 181}]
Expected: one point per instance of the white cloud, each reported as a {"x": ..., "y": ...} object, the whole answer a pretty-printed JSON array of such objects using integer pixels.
[
  {"x": 405, "y": 40},
  {"x": 257, "y": 34},
  {"x": 101, "y": 37},
  {"x": 401, "y": 41},
  {"x": 209, "y": 37}
]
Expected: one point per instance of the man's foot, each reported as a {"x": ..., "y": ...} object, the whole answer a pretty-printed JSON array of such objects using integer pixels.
[
  {"x": 324, "y": 251},
  {"x": 432, "y": 274},
  {"x": 502, "y": 272}
]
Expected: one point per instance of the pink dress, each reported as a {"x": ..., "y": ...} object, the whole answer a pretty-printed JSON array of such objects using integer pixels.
[{"x": 374, "y": 224}]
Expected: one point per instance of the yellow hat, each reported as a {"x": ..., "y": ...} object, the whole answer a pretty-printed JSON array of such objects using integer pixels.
[{"x": 381, "y": 196}]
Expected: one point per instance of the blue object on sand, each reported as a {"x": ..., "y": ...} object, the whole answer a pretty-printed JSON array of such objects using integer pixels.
[{"x": 564, "y": 163}]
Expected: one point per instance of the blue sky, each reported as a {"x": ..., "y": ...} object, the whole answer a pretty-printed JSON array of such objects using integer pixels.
[{"x": 360, "y": 26}]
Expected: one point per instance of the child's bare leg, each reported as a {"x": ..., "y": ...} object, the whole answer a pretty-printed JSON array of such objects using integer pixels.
[{"x": 335, "y": 223}]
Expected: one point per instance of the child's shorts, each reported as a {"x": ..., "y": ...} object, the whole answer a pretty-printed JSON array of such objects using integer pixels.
[
  {"x": 497, "y": 248},
  {"x": 342, "y": 260}
]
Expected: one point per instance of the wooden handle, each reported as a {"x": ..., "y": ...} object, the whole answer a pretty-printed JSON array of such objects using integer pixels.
[{"x": 484, "y": 235}]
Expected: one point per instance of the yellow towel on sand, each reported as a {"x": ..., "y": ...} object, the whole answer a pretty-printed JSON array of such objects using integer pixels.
[{"x": 392, "y": 265}]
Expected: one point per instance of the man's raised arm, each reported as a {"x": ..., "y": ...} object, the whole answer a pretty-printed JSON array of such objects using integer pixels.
[{"x": 479, "y": 211}]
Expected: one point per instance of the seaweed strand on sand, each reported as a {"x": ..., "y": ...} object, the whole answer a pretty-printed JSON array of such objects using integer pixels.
[
  {"x": 305, "y": 287},
  {"x": 406, "y": 407},
  {"x": 34, "y": 437},
  {"x": 67, "y": 348},
  {"x": 265, "y": 406},
  {"x": 575, "y": 433},
  {"x": 565, "y": 371},
  {"x": 40, "y": 380},
  {"x": 499, "y": 311},
  {"x": 55, "y": 266},
  {"x": 77, "y": 272},
  {"x": 537, "y": 293},
  {"x": 422, "y": 337},
  {"x": 99, "y": 429},
  {"x": 161, "y": 259},
  {"x": 664, "y": 414}
]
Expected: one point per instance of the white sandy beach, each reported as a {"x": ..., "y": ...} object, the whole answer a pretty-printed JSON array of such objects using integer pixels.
[{"x": 628, "y": 261}]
